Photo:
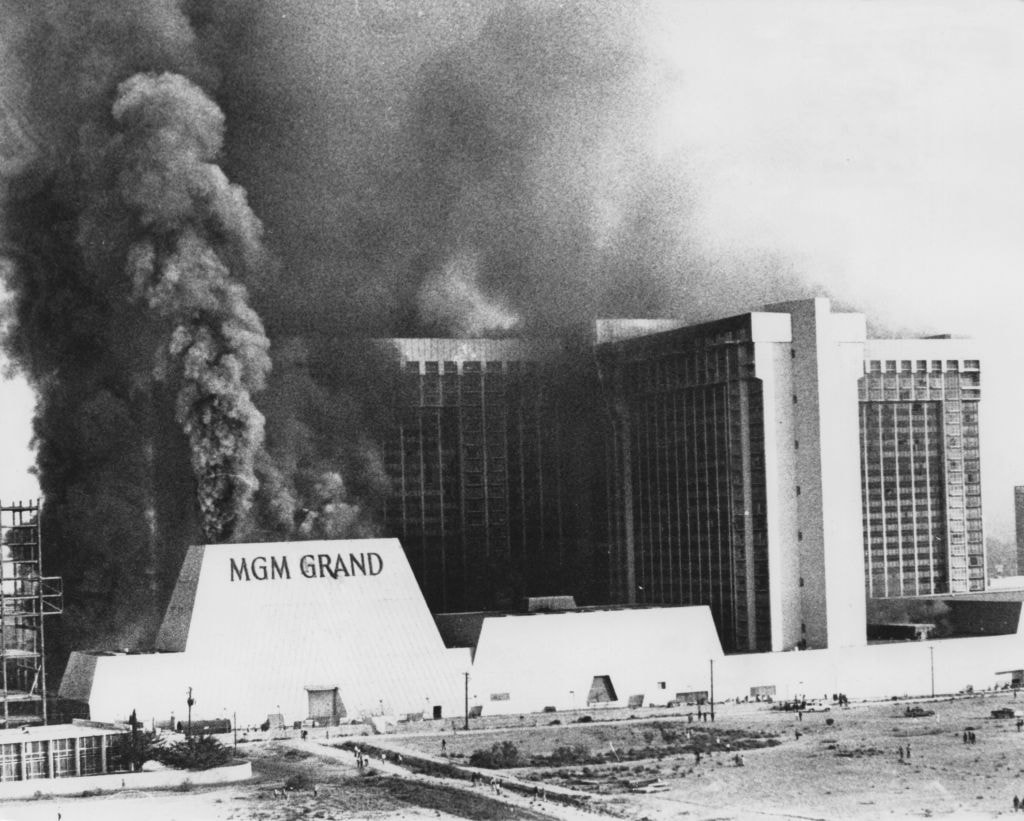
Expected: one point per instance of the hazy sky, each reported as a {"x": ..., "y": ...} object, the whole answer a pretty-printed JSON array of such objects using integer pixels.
[{"x": 876, "y": 145}]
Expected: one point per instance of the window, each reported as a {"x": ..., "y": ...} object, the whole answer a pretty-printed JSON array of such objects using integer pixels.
[{"x": 10, "y": 762}]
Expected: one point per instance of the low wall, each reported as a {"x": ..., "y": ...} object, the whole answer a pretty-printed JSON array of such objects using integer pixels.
[{"x": 113, "y": 782}]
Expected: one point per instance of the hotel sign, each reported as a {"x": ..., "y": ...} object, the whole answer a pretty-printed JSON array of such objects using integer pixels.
[{"x": 310, "y": 566}]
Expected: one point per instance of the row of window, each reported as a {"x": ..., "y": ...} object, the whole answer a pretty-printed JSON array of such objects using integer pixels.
[{"x": 908, "y": 365}]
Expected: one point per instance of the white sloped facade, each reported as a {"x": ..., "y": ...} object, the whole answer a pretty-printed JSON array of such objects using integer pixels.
[
  {"x": 524, "y": 663},
  {"x": 253, "y": 627}
]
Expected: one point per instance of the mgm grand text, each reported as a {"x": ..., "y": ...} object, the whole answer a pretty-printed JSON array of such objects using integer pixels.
[{"x": 310, "y": 566}]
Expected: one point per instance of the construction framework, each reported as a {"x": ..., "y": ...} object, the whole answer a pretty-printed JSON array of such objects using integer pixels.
[{"x": 26, "y": 597}]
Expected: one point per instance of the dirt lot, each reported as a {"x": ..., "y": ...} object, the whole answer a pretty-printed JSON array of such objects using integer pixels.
[{"x": 851, "y": 769}]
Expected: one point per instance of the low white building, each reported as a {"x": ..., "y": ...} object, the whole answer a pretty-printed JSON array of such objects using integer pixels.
[
  {"x": 333, "y": 631},
  {"x": 575, "y": 659}
]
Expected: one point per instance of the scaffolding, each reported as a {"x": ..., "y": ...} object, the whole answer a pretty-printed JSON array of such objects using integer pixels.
[{"x": 26, "y": 597}]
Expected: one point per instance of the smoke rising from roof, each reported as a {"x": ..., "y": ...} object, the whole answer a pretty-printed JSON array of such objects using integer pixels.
[{"x": 442, "y": 169}]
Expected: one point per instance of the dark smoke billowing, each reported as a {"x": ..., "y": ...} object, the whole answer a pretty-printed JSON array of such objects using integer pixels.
[{"x": 420, "y": 169}]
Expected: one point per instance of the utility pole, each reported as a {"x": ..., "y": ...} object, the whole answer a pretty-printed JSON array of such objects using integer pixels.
[
  {"x": 712, "y": 689},
  {"x": 189, "y": 701},
  {"x": 466, "y": 725},
  {"x": 931, "y": 650}
]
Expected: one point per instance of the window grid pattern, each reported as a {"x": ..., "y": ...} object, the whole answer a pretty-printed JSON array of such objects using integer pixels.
[
  {"x": 690, "y": 480},
  {"x": 479, "y": 483},
  {"x": 921, "y": 477}
]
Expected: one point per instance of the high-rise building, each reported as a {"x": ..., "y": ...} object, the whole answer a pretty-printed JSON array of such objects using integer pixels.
[
  {"x": 491, "y": 496},
  {"x": 761, "y": 463},
  {"x": 921, "y": 467},
  {"x": 1018, "y": 510},
  {"x": 734, "y": 471}
]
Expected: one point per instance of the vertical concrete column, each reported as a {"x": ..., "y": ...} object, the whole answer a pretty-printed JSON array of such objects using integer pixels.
[
  {"x": 49, "y": 759},
  {"x": 78, "y": 756},
  {"x": 21, "y": 755},
  {"x": 103, "y": 753}
]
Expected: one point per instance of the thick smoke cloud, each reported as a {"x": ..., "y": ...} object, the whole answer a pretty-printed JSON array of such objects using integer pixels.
[
  {"x": 198, "y": 236},
  {"x": 419, "y": 169}
]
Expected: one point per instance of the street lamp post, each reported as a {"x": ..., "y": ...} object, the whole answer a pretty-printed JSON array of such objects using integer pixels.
[
  {"x": 712, "y": 689},
  {"x": 465, "y": 726},
  {"x": 931, "y": 651},
  {"x": 189, "y": 701}
]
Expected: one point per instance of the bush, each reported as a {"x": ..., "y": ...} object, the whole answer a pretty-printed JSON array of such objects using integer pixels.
[
  {"x": 299, "y": 781},
  {"x": 197, "y": 753},
  {"x": 576, "y": 754},
  {"x": 499, "y": 757},
  {"x": 129, "y": 754}
]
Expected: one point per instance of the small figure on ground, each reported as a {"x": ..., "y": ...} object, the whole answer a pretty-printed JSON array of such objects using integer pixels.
[{"x": 1016, "y": 804}]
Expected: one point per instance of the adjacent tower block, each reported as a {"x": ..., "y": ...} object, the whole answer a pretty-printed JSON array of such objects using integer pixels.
[
  {"x": 734, "y": 471},
  {"x": 921, "y": 467}
]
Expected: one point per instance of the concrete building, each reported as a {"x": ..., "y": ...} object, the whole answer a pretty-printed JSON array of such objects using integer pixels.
[
  {"x": 921, "y": 468},
  {"x": 593, "y": 658},
  {"x": 760, "y": 463},
  {"x": 734, "y": 471},
  {"x": 58, "y": 751},
  {"x": 491, "y": 492},
  {"x": 328, "y": 631}
]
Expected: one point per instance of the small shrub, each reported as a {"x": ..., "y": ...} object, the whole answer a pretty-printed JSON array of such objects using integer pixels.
[
  {"x": 561, "y": 756},
  {"x": 584, "y": 719},
  {"x": 501, "y": 756},
  {"x": 299, "y": 781},
  {"x": 197, "y": 753}
]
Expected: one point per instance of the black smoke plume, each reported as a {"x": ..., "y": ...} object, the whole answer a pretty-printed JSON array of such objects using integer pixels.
[{"x": 452, "y": 168}]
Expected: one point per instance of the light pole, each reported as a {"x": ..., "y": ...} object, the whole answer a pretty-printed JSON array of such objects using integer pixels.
[
  {"x": 465, "y": 726},
  {"x": 712, "y": 689},
  {"x": 189, "y": 701},
  {"x": 931, "y": 651}
]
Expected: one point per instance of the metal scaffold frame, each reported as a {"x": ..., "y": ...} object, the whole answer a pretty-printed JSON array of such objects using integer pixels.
[{"x": 26, "y": 597}]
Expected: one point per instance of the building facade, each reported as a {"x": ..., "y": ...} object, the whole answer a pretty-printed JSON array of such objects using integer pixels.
[
  {"x": 490, "y": 496},
  {"x": 760, "y": 463},
  {"x": 921, "y": 467},
  {"x": 733, "y": 479}
]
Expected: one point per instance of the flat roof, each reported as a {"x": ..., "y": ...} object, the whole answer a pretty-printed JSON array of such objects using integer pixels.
[{"x": 47, "y": 732}]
